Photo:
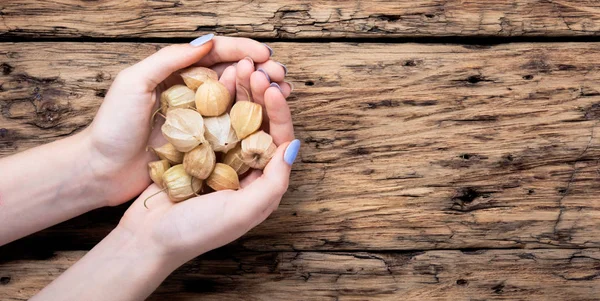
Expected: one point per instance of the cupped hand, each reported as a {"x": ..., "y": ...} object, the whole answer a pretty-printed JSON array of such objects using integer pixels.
[
  {"x": 181, "y": 231},
  {"x": 121, "y": 132}
]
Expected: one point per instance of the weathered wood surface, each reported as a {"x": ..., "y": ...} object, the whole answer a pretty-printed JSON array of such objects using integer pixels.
[
  {"x": 433, "y": 275},
  {"x": 406, "y": 147},
  {"x": 298, "y": 18}
]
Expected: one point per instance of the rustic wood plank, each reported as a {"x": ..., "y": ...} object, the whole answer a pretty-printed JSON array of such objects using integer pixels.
[
  {"x": 298, "y": 18},
  {"x": 406, "y": 146},
  {"x": 433, "y": 275}
]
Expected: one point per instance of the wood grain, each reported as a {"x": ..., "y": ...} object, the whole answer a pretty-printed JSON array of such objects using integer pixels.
[
  {"x": 433, "y": 275},
  {"x": 405, "y": 147},
  {"x": 298, "y": 18}
]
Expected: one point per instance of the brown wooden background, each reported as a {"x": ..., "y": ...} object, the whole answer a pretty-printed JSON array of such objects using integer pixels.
[{"x": 450, "y": 148}]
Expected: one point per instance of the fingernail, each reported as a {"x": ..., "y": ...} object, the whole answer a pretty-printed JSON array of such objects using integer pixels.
[
  {"x": 202, "y": 40},
  {"x": 276, "y": 86},
  {"x": 265, "y": 73},
  {"x": 291, "y": 86},
  {"x": 284, "y": 68},
  {"x": 271, "y": 52},
  {"x": 249, "y": 59},
  {"x": 291, "y": 152}
]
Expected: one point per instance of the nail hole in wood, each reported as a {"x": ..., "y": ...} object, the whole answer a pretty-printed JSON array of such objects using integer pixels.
[
  {"x": 309, "y": 83},
  {"x": 101, "y": 93},
  {"x": 410, "y": 63},
  {"x": 462, "y": 282},
  {"x": 528, "y": 77},
  {"x": 473, "y": 79}
]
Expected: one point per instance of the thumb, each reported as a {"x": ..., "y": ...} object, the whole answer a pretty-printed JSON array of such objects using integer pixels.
[{"x": 157, "y": 67}]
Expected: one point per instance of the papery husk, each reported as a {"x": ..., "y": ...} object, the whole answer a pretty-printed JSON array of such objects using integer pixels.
[
  {"x": 223, "y": 177},
  {"x": 179, "y": 184},
  {"x": 258, "y": 149},
  {"x": 246, "y": 118},
  {"x": 184, "y": 129},
  {"x": 200, "y": 161},
  {"x": 212, "y": 99},
  {"x": 219, "y": 133}
]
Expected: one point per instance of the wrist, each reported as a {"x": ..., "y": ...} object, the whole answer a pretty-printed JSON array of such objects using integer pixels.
[
  {"x": 87, "y": 171},
  {"x": 121, "y": 267},
  {"x": 140, "y": 249}
]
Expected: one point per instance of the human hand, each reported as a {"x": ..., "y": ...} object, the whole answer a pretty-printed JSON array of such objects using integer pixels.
[
  {"x": 148, "y": 244},
  {"x": 120, "y": 133},
  {"x": 182, "y": 231}
]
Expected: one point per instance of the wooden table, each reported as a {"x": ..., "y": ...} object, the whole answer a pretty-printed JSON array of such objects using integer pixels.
[{"x": 450, "y": 148}]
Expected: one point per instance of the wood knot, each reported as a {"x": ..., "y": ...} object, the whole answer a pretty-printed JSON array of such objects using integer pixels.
[
  {"x": 6, "y": 68},
  {"x": 592, "y": 112},
  {"x": 102, "y": 76},
  {"x": 467, "y": 195}
]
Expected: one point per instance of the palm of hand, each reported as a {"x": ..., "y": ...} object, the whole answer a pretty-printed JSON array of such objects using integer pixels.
[{"x": 120, "y": 135}]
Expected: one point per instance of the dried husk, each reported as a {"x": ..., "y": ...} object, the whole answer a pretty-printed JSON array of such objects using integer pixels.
[
  {"x": 179, "y": 184},
  {"x": 156, "y": 169},
  {"x": 178, "y": 96},
  {"x": 223, "y": 177},
  {"x": 194, "y": 77},
  {"x": 169, "y": 153},
  {"x": 219, "y": 133},
  {"x": 246, "y": 118},
  {"x": 200, "y": 161},
  {"x": 184, "y": 129},
  {"x": 233, "y": 158},
  {"x": 258, "y": 149},
  {"x": 212, "y": 98}
]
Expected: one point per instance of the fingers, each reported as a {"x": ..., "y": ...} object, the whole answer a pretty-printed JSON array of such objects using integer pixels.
[
  {"x": 285, "y": 87},
  {"x": 275, "y": 70},
  {"x": 151, "y": 71},
  {"x": 259, "y": 83},
  {"x": 220, "y": 67},
  {"x": 228, "y": 78},
  {"x": 229, "y": 49},
  {"x": 280, "y": 118},
  {"x": 244, "y": 68}
]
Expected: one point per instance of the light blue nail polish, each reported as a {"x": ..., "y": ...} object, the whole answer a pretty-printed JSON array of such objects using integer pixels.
[
  {"x": 291, "y": 152},
  {"x": 276, "y": 86},
  {"x": 202, "y": 40},
  {"x": 271, "y": 52},
  {"x": 284, "y": 68},
  {"x": 265, "y": 73}
]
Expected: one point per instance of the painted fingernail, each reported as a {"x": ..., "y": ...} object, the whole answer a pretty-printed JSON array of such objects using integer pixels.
[
  {"x": 291, "y": 152},
  {"x": 291, "y": 86},
  {"x": 276, "y": 86},
  {"x": 202, "y": 40},
  {"x": 249, "y": 59},
  {"x": 271, "y": 52},
  {"x": 284, "y": 68},
  {"x": 265, "y": 73}
]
